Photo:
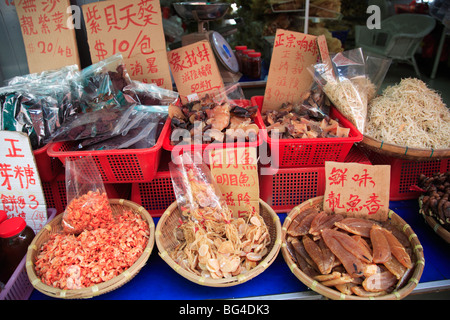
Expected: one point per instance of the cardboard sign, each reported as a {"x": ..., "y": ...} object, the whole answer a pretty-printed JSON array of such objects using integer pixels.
[
  {"x": 288, "y": 77},
  {"x": 134, "y": 29},
  {"x": 20, "y": 185},
  {"x": 48, "y": 34},
  {"x": 194, "y": 69},
  {"x": 324, "y": 53},
  {"x": 235, "y": 171},
  {"x": 357, "y": 190}
]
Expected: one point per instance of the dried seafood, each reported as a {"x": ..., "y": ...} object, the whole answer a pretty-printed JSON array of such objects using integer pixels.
[
  {"x": 205, "y": 121},
  {"x": 303, "y": 120},
  {"x": 213, "y": 243},
  {"x": 355, "y": 256}
]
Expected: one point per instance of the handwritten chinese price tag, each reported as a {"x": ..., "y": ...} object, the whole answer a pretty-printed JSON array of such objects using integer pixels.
[
  {"x": 49, "y": 42},
  {"x": 357, "y": 190},
  {"x": 235, "y": 170},
  {"x": 20, "y": 185},
  {"x": 134, "y": 29},
  {"x": 194, "y": 69},
  {"x": 288, "y": 77}
]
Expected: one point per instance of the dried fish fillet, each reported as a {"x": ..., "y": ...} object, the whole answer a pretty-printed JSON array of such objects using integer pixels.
[
  {"x": 351, "y": 263},
  {"x": 397, "y": 249},
  {"x": 380, "y": 245},
  {"x": 395, "y": 267},
  {"x": 317, "y": 255},
  {"x": 356, "y": 226},
  {"x": 305, "y": 224},
  {"x": 351, "y": 245},
  {"x": 379, "y": 282},
  {"x": 293, "y": 229},
  {"x": 322, "y": 221}
]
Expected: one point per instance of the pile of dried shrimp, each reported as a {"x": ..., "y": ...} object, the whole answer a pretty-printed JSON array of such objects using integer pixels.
[
  {"x": 68, "y": 261},
  {"x": 213, "y": 243},
  {"x": 354, "y": 255}
]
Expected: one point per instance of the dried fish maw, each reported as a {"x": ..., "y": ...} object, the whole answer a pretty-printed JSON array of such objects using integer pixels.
[
  {"x": 397, "y": 249},
  {"x": 379, "y": 282},
  {"x": 293, "y": 229},
  {"x": 395, "y": 267},
  {"x": 322, "y": 221},
  {"x": 317, "y": 255},
  {"x": 345, "y": 288},
  {"x": 352, "y": 246},
  {"x": 371, "y": 269},
  {"x": 352, "y": 265},
  {"x": 356, "y": 226},
  {"x": 380, "y": 246},
  {"x": 359, "y": 291}
]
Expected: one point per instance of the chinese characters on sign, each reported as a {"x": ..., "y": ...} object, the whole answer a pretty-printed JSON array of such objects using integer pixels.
[
  {"x": 288, "y": 77},
  {"x": 235, "y": 170},
  {"x": 20, "y": 186},
  {"x": 134, "y": 29},
  {"x": 195, "y": 70},
  {"x": 49, "y": 43},
  {"x": 357, "y": 190}
]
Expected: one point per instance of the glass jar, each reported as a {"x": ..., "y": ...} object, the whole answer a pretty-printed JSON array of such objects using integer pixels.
[
  {"x": 15, "y": 237},
  {"x": 245, "y": 61},
  {"x": 238, "y": 53},
  {"x": 254, "y": 65}
]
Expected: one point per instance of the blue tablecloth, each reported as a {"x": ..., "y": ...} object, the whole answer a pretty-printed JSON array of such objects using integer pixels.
[{"x": 157, "y": 281}]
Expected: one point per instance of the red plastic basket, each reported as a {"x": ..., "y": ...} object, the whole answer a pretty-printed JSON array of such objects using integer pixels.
[
  {"x": 285, "y": 188},
  {"x": 119, "y": 165},
  {"x": 309, "y": 152},
  {"x": 56, "y": 196},
  {"x": 178, "y": 149},
  {"x": 405, "y": 173},
  {"x": 155, "y": 196},
  {"x": 48, "y": 167},
  {"x": 18, "y": 286}
]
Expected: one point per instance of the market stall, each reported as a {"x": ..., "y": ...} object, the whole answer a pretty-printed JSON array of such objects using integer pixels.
[{"x": 163, "y": 181}]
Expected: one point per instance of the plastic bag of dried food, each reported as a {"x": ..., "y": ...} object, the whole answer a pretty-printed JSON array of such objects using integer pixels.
[
  {"x": 149, "y": 94},
  {"x": 197, "y": 194},
  {"x": 101, "y": 84},
  {"x": 139, "y": 127},
  {"x": 88, "y": 206}
]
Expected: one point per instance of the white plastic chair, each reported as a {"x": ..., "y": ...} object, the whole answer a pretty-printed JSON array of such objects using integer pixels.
[{"x": 398, "y": 38}]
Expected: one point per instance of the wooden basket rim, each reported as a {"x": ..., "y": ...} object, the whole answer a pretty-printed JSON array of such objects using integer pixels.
[
  {"x": 104, "y": 287},
  {"x": 404, "y": 152},
  {"x": 335, "y": 294},
  {"x": 224, "y": 282}
]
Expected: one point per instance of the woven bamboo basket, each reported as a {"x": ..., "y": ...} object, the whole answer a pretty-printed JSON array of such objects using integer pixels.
[
  {"x": 406, "y": 153},
  {"x": 395, "y": 220},
  {"x": 166, "y": 241},
  {"x": 117, "y": 206},
  {"x": 433, "y": 223}
]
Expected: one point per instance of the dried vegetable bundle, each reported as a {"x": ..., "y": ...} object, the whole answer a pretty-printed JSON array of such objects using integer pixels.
[
  {"x": 409, "y": 114},
  {"x": 212, "y": 242},
  {"x": 355, "y": 256}
]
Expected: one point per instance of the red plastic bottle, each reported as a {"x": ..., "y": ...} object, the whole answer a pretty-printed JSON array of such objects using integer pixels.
[{"x": 15, "y": 237}]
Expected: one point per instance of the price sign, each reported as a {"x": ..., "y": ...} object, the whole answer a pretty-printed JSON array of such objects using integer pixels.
[
  {"x": 195, "y": 70},
  {"x": 288, "y": 77},
  {"x": 49, "y": 39},
  {"x": 235, "y": 171},
  {"x": 20, "y": 185},
  {"x": 357, "y": 190},
  {"x": 134, "y": 29}
]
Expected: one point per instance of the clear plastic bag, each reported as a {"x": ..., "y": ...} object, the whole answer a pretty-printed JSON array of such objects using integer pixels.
[
  {"x": 149, "y": 94},
  {"x": 88, "y": 205},
  {"x": 348, "y": 83},
  {"x": 198, "y": 195},
  {"x": 100, "y": 85}
]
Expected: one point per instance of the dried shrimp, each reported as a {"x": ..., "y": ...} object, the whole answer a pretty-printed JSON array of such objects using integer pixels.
[{"x": 68, "y": 261}]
